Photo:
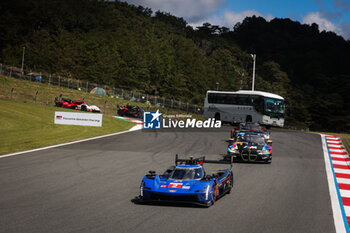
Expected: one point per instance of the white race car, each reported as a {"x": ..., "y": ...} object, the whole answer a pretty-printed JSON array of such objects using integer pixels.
[{"x": 88, "y": 108}]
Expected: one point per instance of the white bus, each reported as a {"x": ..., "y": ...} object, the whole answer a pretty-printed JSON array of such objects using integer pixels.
[{"x": 245, "y": 106}]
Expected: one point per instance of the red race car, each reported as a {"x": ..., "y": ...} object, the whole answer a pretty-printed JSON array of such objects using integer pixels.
[{"x": 67, "y": 103}]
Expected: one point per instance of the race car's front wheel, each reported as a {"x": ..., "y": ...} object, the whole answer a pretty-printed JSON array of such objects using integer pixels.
[
  {"x": 214, "y": 194},
  {"x": 232, "y": 133},
  {"x": 230, "y": 184},
  {"x": 268, "y": 161}
]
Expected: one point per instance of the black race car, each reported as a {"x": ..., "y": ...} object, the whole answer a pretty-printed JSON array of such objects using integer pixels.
[
  {"x": 249, "y": 146},
  {"x": 131, "y": 111},
  {"x": 251, "y": 127}
]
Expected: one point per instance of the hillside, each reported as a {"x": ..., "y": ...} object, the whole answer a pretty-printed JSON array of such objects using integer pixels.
[
  {"x": 317, "y": 65},
  {"x": 131, "y": 47}
]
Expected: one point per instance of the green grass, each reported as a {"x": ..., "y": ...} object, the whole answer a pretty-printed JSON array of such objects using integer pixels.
[
  {"x": 27, "y": 119},
  {"x": 26, "y": 126},
  {"x": 25, "y": 91}
]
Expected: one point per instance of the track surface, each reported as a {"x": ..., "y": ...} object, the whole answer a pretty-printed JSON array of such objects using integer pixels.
[{"x": 88, "y": 187}]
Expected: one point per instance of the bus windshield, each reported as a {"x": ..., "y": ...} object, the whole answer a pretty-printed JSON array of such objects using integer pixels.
[{"x": 274, "y": 106}]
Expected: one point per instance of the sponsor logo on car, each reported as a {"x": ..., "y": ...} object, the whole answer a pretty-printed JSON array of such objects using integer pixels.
[{"x": 175, "y": 185}]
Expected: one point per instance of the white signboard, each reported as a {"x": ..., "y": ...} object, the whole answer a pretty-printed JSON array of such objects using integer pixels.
[{"x": 72, "y": 118}]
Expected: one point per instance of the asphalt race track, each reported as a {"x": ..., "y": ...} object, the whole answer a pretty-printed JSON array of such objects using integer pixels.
[{"x": 89, "y": 187}]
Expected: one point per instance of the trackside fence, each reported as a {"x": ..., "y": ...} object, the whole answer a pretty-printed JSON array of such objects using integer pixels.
[{"x": 86, "y": 86}]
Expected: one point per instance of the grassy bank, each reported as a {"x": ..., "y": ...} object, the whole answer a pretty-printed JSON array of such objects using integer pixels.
[
  {"x": 44, "y": 94},
  {"x": 26, "y": 126}
]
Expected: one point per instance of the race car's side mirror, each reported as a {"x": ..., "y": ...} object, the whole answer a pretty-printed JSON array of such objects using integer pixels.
[
  {"x": 206, "y": 178},
  {"x": 170, "y": 169},
  {"x": 165, "y": 175}
]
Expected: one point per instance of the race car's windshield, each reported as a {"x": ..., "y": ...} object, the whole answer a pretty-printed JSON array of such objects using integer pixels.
[
  {"x": 252, "y": 128},
  {"x": 187, "y": 173},
  {"x": 251, "y": 138}
]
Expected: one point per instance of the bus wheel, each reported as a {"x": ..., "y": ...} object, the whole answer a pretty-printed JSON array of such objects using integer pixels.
[
  {"x": 248, "y": 119},
  {"x": 217, "y": 117}
]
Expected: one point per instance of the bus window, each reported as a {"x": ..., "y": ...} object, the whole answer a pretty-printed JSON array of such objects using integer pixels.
[
  {"x": 232, "y": 99},
  {"x": 243, "y": 100},
  {"x": 221, "y": 98},
  {"x": 258, "y": 103},
  {"x": 212, "y": 98},
  {"x": 280, "y": 106}
]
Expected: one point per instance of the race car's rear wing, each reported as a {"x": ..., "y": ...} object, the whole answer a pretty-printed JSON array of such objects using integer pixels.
[{"x": 200, "y": 160}]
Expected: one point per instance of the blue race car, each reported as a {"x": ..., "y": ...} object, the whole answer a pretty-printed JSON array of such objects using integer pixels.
[
  {"x": 249, "y": 146},
  {"x": 187, "y": 182}
]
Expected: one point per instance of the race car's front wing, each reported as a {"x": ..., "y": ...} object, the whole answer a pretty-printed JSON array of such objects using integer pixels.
[
  {"x": 246, "y": 156},
  {"x": 193, "y": 198}
]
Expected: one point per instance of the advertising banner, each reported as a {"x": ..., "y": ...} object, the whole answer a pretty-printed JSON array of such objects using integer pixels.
[{"x": 72, "y": 118}]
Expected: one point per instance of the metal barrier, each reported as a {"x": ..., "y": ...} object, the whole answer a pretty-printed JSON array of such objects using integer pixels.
[{"x": 86, "y": 86}]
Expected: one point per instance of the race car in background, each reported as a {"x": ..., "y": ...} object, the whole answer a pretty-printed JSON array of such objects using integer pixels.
[
  {"x": 130, "y": 111},
  {"x": 65, "y": 103},
  {"x": 87, "y": 108},
  {"x": 249, "y": 147},
  {"x": 251, "y": 127},
  {"x": 187, "y": 182},
  {"x": 77, "y": 104}
]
